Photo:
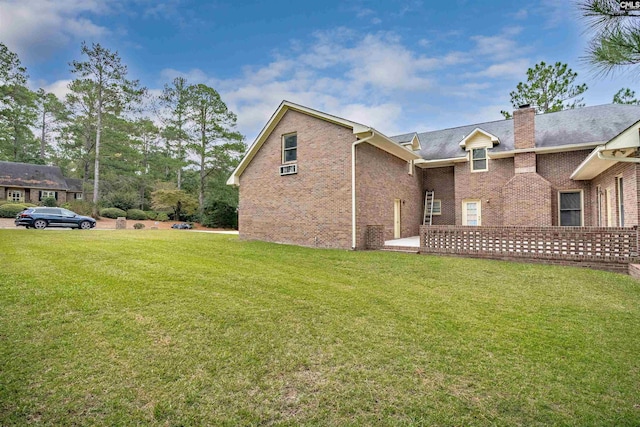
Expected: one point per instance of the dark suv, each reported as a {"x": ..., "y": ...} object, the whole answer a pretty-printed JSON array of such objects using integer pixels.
[{"x": 53, "y": 217}]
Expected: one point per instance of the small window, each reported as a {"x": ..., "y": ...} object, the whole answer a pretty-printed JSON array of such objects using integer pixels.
[
  {"x": 479, "y": 159},
  {"x": 44, "y": 194},
  {"x": 437, "y": 207},
  {"x": 571, "y": 208},
  {"x": 78, "y": 196},
  {"x": 289, "y": 148}
]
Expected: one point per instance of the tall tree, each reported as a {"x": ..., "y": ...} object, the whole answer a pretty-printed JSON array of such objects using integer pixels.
[
  {"x": 51, "y": 112},
  {"x": 615, "y": 44},
  {"x": 216, "y": 140},
  {"x": 625, "y": 96},
  {"x": 174, "y": 102},
  {"x": 77, "y": 140},
  {"x": 17, "y": 109},
  {"x": 113, "y": 92},
  {"x": 548, "y": 88}
]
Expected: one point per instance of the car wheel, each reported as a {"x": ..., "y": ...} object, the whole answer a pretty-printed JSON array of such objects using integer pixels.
[
  {"x": 85, "y": 225},
  {"x": 40, "y": 224}
]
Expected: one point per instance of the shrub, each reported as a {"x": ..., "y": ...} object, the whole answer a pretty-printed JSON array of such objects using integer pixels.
[
  {"x": 138, "y": 226},
  {"x": 124, "y": 201},
  {"x": 162, "y": 217},
  {"x": 49, "y": 201},
  {"x": 80, "y": 207},
  {"x": 151, "y": 214},
  {"x": 112, "y": 213},
  {"x": 136, "y": 214},
  {"x": 10, "y": 210},
  {"x": 219, "y": 214}
]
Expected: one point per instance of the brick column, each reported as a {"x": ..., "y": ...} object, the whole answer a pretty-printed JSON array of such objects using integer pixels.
[{"x": 527, "y": 196}]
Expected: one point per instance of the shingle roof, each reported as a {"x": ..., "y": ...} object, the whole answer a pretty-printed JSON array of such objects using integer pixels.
[
  {"x": 589, "y": 124},
  {"x": 74, "y": 185},
  {"x": 31, "y": 176}
]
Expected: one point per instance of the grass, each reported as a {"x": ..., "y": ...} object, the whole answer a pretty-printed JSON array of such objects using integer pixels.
[{"x": 178, "y": 328}]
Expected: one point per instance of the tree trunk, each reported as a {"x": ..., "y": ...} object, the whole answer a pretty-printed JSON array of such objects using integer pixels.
[
  {"x": 203, "y": 175},
  {"x": 44, "y": 133},
  {"x": 96, "y": 172}
]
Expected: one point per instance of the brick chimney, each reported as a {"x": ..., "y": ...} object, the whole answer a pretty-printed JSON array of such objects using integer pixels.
[
  {"x": 524, "y": 135},
  {"x": 524, "y": 127},
  {"x": 526, "y": 196}
]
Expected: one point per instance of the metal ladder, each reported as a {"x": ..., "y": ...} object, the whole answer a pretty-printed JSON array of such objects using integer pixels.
[{"x": 428, "y": 208}]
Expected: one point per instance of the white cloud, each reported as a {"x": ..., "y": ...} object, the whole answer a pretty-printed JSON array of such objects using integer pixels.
[
  {"x": 514, "y": 69},
  {"x": 373, "y": 78},
  {"x": 37, "y": 28},
  {"x": 499, "y": 47}
]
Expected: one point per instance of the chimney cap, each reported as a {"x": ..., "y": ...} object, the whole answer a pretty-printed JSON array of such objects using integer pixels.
[{"x": 523, "y": 106}]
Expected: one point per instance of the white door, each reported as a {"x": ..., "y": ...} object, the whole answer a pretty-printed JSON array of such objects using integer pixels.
[
  {"x": 471, "y": 212},
  {"x": 396, "y": 219}
]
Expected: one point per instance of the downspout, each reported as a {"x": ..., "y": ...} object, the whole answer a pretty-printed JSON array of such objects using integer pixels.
[
  {"x": 353, "y": 186},
  {"x": 619, "y": 159}
]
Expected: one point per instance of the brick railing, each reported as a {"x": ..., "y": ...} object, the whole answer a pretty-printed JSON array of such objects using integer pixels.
[{"x": 608, "y": 248}]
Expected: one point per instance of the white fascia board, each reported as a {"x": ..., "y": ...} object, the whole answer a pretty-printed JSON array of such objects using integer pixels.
[
  {"x": 494, "y": 139},
  {"x": 384, "y": 143},
  {"x": 426, "y": 164},
  {"x": 545, "y": 150},
  {"x": 626, "y": 142}
]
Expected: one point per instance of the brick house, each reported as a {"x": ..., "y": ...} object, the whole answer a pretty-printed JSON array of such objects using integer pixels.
[
  {"x": 24, "y": 182},
  {"x": 314, "y": 179}
]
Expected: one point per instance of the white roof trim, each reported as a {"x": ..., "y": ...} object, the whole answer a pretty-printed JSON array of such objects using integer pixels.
[
  {"x": 381, "y": 141},
  {"x": 544, "y": 150},
  {"x": 437, "y": 163},
  {"x": 593, "y": 165},
  {"x": 494, "y": 139}
]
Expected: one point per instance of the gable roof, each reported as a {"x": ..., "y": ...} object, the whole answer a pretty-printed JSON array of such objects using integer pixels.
[
  {"x": 26, "y": 175},
  {"x": 74, "y": 184},
  {"x": 595, "y": 125},
  {"x": 361, "y": 131}
]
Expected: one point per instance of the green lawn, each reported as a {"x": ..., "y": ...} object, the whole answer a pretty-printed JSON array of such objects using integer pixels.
[{"x": 179, "y": 328}]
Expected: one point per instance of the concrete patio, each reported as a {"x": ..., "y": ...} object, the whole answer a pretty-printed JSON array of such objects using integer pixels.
[{"x": 407, "y": 242}]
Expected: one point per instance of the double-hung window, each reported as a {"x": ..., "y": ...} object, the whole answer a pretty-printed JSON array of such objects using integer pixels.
[
  {"x": 290, "y": 148},
  {"x": 479, "y": 159},
  {"x": 570, "y": 204}
]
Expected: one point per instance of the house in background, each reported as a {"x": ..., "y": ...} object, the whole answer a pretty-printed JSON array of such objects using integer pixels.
[
  {"x": 314, "y": 179},
  {"x": 24, "y": 182}
]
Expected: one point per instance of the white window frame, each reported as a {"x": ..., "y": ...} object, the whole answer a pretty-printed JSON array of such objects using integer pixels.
[
  {"x": 485, "y": 158},
  {"x": 77, "y": 196},
  {"x": 581, "y": 207},
  {"x": 438, "y": 203},
  {"x": 464, "y": 211},
  {"x": 599, "y": 204},
  {"x": 620, "y": 199},
  {"x": 284, "y": 137},
  {"x": 15, "y": 195},
  {"x": 47, "y": 193}
]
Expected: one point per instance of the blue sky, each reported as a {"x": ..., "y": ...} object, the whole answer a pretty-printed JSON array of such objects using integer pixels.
[{"x": 400, "y": 66}]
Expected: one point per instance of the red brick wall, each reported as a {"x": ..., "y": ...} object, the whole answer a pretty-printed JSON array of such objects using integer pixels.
[
  {"x": 527, "y": 200},
  {"x": 557, "y": 169},
  {"x": 311, "y": 208},
  {"x": 607, "y": 179},
  {"x": 442, "y": 182},
  {"x": 524, "y": 128},
  {"x": 485, "y": 186},
  {"x": 380, "y": 179}
]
